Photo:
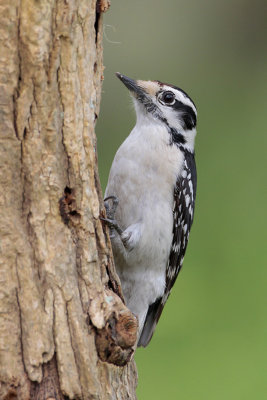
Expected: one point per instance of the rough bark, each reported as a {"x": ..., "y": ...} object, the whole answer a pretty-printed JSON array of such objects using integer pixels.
[{"x": 64, "y": 330}]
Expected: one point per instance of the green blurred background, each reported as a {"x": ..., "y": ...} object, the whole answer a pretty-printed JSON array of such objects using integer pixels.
[{"x": 210, "y": 342}]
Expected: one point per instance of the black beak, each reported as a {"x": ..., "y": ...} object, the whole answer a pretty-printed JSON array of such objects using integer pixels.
[
  {"x": 138, "y": 92},
  {"x": 131, "y": 84}
]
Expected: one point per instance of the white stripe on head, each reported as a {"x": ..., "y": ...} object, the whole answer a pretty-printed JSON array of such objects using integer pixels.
[{"x": 181, "y": 96}]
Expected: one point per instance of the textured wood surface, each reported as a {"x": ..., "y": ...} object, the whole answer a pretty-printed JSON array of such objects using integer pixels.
[{"x": 57, "y": 278}]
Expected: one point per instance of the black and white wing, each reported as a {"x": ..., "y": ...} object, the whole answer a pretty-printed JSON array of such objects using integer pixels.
[{"x": 183, "y": 213}]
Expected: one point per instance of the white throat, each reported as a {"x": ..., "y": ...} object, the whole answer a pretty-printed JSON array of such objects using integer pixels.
[{"x": 147, "y": 121}]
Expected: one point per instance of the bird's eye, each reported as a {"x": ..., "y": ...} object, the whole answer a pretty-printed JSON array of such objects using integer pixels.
[{"x": 167, "y": 98}]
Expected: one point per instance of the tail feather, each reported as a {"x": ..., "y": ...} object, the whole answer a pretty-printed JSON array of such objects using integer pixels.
[{"x": 152, "y": 317}]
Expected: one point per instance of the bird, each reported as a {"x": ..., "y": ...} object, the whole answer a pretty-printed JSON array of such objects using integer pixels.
[{"x": 150, "y": 198}]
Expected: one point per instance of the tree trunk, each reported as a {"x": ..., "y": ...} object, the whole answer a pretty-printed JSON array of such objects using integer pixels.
[{"x": 64, "y": 330}]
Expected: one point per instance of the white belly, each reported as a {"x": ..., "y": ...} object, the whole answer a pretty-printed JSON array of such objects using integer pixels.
[{"x": 143, "y": 179}]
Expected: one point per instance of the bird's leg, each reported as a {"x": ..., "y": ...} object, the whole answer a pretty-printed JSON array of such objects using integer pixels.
[
  {"x": 129, "y": 236},
  {"x": 110, "y": 211}
]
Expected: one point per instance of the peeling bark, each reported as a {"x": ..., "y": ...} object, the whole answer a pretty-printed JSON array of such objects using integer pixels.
[{"x": 64, "y": 328}]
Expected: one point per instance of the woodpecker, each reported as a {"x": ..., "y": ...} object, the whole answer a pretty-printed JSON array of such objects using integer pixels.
[{"x": 150, "y": 198}]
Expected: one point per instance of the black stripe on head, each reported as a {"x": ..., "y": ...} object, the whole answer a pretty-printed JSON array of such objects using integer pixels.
[
  {"x": 161, "y": 84},
  {"x": 187, "y": 114},
  {"x": 176, "y": 137},
  {"x": 186, "y": 95}
]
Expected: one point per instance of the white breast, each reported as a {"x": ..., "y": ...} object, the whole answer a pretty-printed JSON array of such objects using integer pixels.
[{"x": 142, "y": 177}]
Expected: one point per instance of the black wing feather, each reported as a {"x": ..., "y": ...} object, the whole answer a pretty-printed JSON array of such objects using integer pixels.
[{"x": 183, "y": 213}]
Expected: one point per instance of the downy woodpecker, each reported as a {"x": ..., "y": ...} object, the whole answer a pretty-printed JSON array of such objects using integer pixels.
[{"x": 150, "y": 198}]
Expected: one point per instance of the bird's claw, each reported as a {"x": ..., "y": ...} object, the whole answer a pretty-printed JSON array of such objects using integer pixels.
[
  {"x": 111, "y": 210},
  {"x": 112, "y": 224}
]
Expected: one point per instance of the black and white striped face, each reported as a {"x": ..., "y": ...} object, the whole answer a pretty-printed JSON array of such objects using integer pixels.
[{"x": 166, "y": 104}]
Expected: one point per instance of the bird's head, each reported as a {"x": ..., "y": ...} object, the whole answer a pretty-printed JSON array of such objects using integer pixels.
[{"x": 165, "y": 104}]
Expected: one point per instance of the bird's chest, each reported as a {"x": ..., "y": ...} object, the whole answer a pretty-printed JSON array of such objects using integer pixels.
[
  {"x": 153, "y": 192},
  {"x": 153, "y": 181}
]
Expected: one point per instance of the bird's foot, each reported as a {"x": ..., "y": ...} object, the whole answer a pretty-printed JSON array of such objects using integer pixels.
[
  {"x": 112, "y": 224},
  {"x": 110, "y": 211},
  {"x": 128, "y": 237},
  {"x": 111, "y": 208}
]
